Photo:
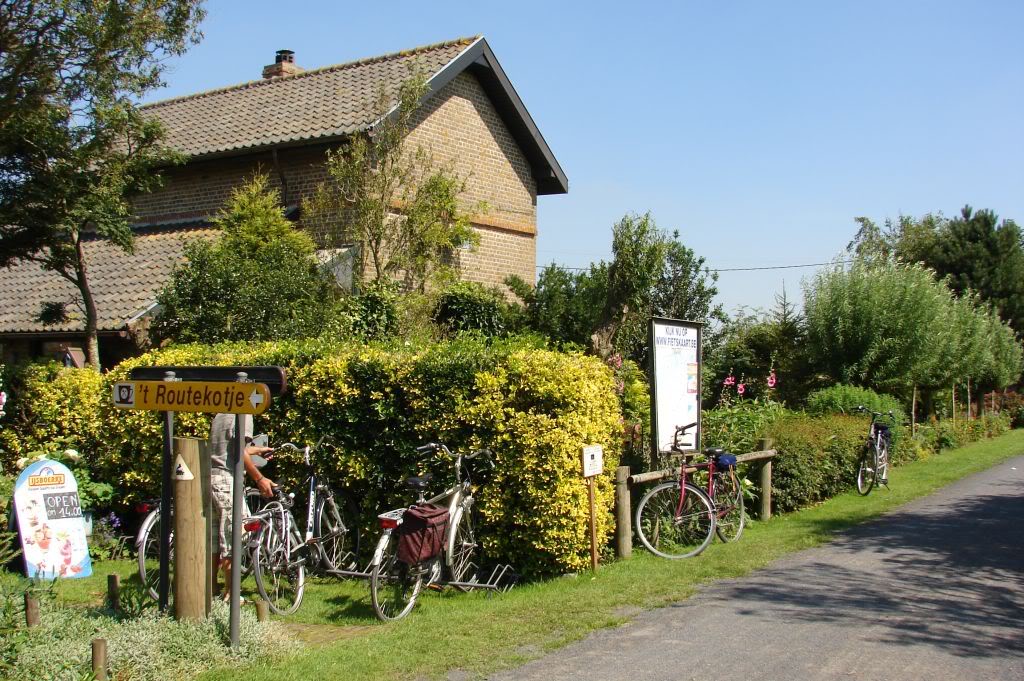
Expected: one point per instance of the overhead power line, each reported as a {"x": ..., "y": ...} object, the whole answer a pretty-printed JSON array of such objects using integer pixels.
[{"x": 736, "y": 269}]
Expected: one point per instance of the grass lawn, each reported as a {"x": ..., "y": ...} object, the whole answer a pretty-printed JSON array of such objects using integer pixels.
[{"x": 478, "y": 634}]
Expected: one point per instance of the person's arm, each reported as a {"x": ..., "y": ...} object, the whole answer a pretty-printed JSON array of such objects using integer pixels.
[{"x": 263, "y": 483}]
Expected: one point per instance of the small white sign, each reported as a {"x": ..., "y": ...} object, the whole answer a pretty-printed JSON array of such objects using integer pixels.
[
  {"x": 181, "y": 471},
  {"x": 593, "y": 460}
]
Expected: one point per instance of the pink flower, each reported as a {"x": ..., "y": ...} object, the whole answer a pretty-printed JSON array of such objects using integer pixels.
[
  {"x": 730, "y": 380},
  {"x": 740, "y": 389},
  {"x": 772, "y": 380}
]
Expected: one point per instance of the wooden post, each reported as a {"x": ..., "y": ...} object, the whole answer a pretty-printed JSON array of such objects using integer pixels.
[
  {"x": 190, "y": 543},
  {"x": 593, "y": 525},
  {"x": 623, "y": 514},
  {"x": 913, "y": 414},
  {"x": 99, "y": 659},
  {"x": 969, "y": 403},
  {"x": 262, "y": 611},
  {"x": 31, "y": 611},
  {"x": 204, "y": 477},
  {"x": 766, "y": 481},
  {"x": 954, "y": 405},
  {"x": 114, "y": 592}
]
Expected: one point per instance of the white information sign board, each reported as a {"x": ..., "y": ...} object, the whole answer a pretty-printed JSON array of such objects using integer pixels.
[
  {"x": 675, "y": 349},
  {"x": 593, "y": 460},
  {"x": 51, "y": 523}
]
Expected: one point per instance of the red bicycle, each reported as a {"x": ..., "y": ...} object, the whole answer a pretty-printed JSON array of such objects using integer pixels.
[{"x": 677, "y": 519}]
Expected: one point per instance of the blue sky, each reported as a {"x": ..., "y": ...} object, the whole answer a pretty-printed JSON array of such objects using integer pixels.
[{"x": 758, "y": 130}]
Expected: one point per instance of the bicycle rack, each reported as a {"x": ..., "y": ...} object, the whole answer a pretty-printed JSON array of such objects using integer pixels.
[{"x": 501, "y": 579}]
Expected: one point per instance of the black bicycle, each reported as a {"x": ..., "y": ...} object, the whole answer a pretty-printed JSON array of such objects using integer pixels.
[{"x": 873, "y": 469}]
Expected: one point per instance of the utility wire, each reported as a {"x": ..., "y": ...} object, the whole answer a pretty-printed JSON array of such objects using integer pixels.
[{"x": 735, "y": 269}]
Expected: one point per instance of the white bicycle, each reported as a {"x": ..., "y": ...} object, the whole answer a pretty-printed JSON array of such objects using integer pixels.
[{"x": 395, "y": 584}]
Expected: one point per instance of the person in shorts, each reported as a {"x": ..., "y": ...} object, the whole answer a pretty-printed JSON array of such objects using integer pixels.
[{"x": 222, "y": 443}]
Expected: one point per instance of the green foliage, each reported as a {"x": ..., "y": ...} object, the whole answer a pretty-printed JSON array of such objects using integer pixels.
[
  {"x": 736, "y": 426},
  {"x": 73, "y": 144},
  {"x": 373, "y": 311},
  {"x": 817, "y": 458},
  {"x": 393, "y": 201},
  {"x": 844, "y": 399},
  {"x": 146, "y": 647},
  {"x": 608, "y": 306},
  {"x": 890, "y": 327},
  {"x": 259, "y": 281},
  {"x": 973, "y": 253},
  {"x": 533, "y": 407},
  {"x": 467, "y": 306}
]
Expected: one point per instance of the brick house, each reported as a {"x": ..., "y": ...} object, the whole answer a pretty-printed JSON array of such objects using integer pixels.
[{"x": 283, "y": 124}]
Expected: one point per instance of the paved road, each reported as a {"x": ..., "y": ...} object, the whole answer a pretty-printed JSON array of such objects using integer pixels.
[{"x": 932, "y": 591}]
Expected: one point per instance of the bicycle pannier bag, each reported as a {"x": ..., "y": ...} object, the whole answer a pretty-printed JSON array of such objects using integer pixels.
[{"x": 421, "y": 534}]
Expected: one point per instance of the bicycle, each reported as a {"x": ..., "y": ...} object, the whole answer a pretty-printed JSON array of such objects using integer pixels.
[
  {"x": 678, "y": 519},
  {"x": 336, "y": 542},
  {"x": 873, "y": 468},
  {"x": 395, "y": 585},
  {"x": 279, "y": 554},
  {"x": 147, "y": 542}
]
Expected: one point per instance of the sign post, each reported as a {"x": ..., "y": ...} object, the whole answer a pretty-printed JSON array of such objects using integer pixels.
[
  {"x": 675, "y": 391},
  {"x": 207, "y": 390},
  {"x": 593, "y": 465}
]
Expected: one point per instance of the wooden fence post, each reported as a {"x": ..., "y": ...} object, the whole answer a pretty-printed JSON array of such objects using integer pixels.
[
  {"x": 190, "y": 542},
  {"x": 99, "y": 659},
  {"x": 114, "y": 592},
  {"x": 31, "y": 611},
  {"x": 766, "y": 481},
  {"x": 623, "y": 514},
  {"x": 262, "y": 611}
]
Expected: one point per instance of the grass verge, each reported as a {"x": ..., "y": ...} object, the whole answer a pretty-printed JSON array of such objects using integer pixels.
[{"x": 477, "y": 634}]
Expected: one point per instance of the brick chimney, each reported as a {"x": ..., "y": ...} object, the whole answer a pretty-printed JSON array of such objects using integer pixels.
[{"x": 284, "y": 65}]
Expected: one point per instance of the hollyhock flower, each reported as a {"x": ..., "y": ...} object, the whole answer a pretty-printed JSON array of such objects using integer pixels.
[
  {"x": 772, "y": 380},
  {"x": 730, "y": 380},
  {"x": 741, "y": 388}
]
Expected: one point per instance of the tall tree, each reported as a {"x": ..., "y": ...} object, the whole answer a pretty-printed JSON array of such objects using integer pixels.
[
  {"x": 392, "y": 200},
  {"x": 260, "y": 281},
  {"x": 73, "y": 144}
]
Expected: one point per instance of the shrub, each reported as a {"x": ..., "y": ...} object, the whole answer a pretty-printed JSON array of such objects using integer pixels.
[
  {"x": 843, "y": 399},
  {"x": 737, "y": 426},
  {"x": 534, "y": 407},
  {"x": 467, "y": 306},
  {"x": 817, "y": 457}
]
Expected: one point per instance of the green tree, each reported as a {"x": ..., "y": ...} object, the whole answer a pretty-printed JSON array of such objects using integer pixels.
[
  {"x": 73, "y": 144},
  {"x": 259, "y": 281},
  {"x": 392, "y": 201},
  {"x": 608, "y": 306}
]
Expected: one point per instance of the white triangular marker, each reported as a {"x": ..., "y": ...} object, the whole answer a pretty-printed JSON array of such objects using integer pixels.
[
  {"x": 256, "y": 399},
  {"x": 181, "y": 471}
]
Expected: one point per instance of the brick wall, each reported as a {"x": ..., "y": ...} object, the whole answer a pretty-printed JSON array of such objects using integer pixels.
[{"x": 459, "y": 125}]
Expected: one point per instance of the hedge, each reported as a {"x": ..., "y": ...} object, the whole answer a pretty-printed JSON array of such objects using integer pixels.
[{"x": 533, "y": 407}]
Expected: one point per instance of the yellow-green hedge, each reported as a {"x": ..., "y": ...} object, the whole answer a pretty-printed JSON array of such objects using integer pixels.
[{"x": 535, "y": 408}]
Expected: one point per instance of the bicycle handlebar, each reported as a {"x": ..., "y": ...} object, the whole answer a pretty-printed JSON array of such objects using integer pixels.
[{"x": 876, "y": 414}]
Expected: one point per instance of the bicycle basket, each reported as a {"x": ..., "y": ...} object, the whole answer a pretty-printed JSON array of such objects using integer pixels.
[{"x": 421, "y": 534}]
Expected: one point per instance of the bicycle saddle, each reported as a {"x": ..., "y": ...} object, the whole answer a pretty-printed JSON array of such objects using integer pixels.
[
  {"x": 714, "y": 452},
  {"x": 419, "y": 482}
]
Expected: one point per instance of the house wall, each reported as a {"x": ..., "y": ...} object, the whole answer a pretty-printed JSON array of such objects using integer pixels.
[{"x": 459, "y": 125}]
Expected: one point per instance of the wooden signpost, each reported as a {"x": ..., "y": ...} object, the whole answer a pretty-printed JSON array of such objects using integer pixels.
[
  {"x": 213, "y": 390},
  {"x": 593, "y": 465}
]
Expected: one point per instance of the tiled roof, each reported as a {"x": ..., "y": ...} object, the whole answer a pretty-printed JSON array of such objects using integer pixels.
[
  {"x": 124, "y": 285},
  {"x": 323, "y": 103}
]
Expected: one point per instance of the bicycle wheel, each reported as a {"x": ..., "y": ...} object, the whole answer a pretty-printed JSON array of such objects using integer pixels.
[
  {"x": 279, "y": 565},
  {"x": 464, "y": 550},
  {"x": 148, "y": 547},
  {"x": 866, "y": 470},
  {"x": 394, "y": 586},
  {"x": 338, "y": 539},
  {"x": 671, "y": 529},
  {"x": 730, "y": 516}
]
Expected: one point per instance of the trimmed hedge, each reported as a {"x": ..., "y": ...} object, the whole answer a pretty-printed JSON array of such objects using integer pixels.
[{"x": 533, "y": 407}]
